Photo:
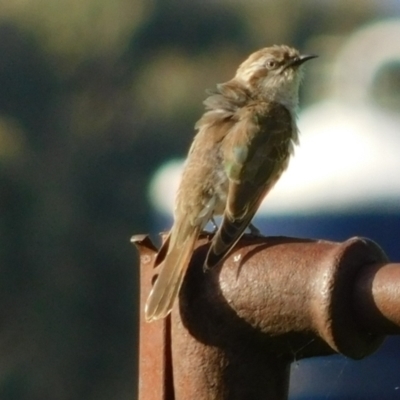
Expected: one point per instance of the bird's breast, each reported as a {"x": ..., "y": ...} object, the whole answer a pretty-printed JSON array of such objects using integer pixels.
[{"x": 204, "y": 184}]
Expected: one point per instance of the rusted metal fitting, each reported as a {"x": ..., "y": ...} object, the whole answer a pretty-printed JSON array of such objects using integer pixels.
[
  {"x": 155, "y": 364},
  {"x": 238, "y": 327}
]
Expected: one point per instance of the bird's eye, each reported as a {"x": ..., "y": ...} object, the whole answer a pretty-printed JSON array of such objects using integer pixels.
[{"x": 271, "y": 64}]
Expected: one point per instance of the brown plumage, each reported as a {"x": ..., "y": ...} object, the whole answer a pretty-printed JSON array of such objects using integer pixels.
[{"x": 243, "y": 145}]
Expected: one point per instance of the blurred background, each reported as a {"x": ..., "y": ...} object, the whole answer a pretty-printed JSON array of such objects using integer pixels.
[{"x": 98, "y": 96}]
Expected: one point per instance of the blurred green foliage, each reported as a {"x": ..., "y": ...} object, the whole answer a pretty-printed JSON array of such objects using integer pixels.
[{"x": 94, "y": 96}]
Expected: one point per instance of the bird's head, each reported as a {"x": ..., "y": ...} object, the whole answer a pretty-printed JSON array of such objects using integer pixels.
[{"x": 274, "y": 73}]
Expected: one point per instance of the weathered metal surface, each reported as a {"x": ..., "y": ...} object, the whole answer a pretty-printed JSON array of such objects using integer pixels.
[
  {"x": 236, "y": 328},
  {"x": 155, "y": 379},
  {"x": 377, "y": 299}
]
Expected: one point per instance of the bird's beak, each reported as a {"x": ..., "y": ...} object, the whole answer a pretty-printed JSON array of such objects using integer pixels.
[{"x": 301, "y": 59}]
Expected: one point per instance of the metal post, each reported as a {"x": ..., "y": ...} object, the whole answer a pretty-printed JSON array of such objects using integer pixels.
[{"x": 236, "y": 328}]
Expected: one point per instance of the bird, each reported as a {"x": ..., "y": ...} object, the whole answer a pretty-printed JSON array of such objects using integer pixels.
[{"x": 243, "y": 144}]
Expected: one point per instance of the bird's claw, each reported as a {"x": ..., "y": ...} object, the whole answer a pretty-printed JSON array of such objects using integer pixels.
[
  {"x": 206, "y": 268},
  {"x": 255, "y": 231}
]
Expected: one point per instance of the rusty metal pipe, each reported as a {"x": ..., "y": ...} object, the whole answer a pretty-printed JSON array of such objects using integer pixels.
[
  {"x": 238, "y": 327},
  {"x": 377, "y": 299}
]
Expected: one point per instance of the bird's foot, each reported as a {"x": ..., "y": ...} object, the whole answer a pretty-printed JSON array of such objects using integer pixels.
[{"x": 254, "y": 231}]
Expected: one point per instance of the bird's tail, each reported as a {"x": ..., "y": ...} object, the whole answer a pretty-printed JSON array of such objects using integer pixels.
[
  {"x": 172, "y": 271},
  {"x": 228, "y": 234}
]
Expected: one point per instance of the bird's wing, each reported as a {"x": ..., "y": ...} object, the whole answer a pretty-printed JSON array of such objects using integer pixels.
[{"x": 255, "y": 153}]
